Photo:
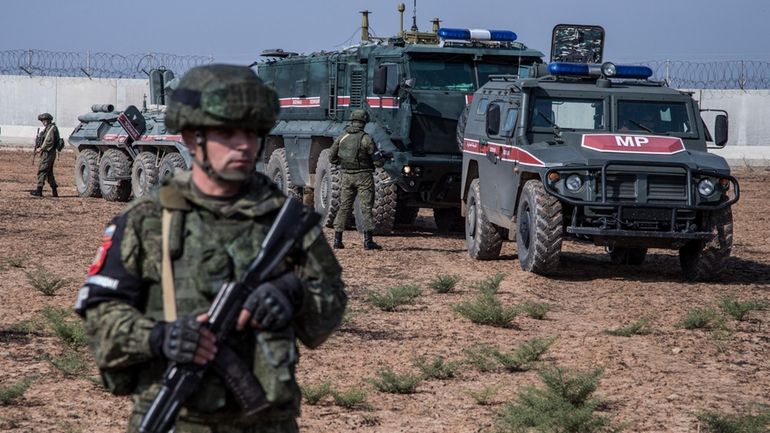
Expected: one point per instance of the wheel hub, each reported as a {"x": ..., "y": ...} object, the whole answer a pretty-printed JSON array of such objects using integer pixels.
[{"x": 524, "y": 227}]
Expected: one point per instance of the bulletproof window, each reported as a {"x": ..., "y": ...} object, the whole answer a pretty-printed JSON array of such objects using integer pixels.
[
  {"x": 510, "y": 122},
  {"x": 567, "y": 113},
  {"x": 385, "y": 80},
  {"x": 658, "y": 117},
  {"x": 493, "y": 119},
  {"x": 482, "y": 107}
]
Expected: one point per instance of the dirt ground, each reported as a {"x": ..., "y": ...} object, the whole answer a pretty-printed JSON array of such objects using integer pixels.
[{"x": 652, "y": 383}]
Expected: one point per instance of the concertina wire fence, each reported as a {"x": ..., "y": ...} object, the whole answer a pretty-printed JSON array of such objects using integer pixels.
[{"x": 725, "y": 74}]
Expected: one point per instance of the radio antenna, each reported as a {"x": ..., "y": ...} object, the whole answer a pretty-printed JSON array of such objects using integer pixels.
[{"x": 414, "y": 16}]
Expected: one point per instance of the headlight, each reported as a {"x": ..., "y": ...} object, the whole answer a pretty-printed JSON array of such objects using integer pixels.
[
  {"x": 407, "y": 169},
  {"x": 574, "y": 182},
  {"x": 706, "y": 187}
]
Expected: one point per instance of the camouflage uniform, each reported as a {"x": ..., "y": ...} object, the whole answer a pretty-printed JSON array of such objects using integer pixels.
[
  {"x": 49, "y": 138},
  {"x": 354, "y": 152},
  {"x": 211, "y": 240}
]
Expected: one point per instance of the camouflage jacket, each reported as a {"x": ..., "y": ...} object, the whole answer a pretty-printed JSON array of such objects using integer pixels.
[
  {"x": 211, "y": 241},
  {"x": 48, "y": 138},
  {"x": 353, "y": 151}
]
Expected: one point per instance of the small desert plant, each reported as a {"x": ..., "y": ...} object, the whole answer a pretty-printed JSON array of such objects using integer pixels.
[
  {"x": 45, "y": 281},
  {"x": 535, "y": 310},
  {"x": 389, "y": 381},
  {"x": 739, "y": 309},
  {"x": 395, "y": 296},
  {"x": 315, "y": 393},
  {"x": 564, "y": 405},
  {"x": 437, "y": 368},
  {"x": 352, "y": 398},
  {"x": 716, "y": 422},
  {"x": 640, "y": 327},
  {"x": 10, "y": 393},
  {"x": 481, "y": 357},
  {"x": 486, "y": 309},
  {"x": 71, "y": 363},
  {"x": 14, "y": 261},
  {"x": 483, "y": 396},
  {"x": 525, "y": 355},
  {"x": 24, "y": 327},
  {"x": 702, "y": 318},
  {"x": 489, "y": 286},
  {"x": 444, "y": 283},
  {"x": 69, "y": 331}
]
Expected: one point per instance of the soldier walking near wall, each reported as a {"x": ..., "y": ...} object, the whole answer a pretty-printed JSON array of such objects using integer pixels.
[
  {"x": 354, "y": 151},
  {"x": 164, "y": 259},
  {"x": 46, "y": 147}
]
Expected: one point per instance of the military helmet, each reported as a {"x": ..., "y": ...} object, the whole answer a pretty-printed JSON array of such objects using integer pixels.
[
  {"x": 222, "y": 96},
  {"x": 45, "y": 116},
  {"x": 359, "y": 115}
]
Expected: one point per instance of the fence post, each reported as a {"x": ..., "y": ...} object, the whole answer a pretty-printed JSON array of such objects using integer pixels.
[{"x": 668, "y": 72}]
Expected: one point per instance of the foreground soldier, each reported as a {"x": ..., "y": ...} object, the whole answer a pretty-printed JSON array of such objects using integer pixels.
[
  {"x": 354, "y": 151},
  {"x": 216, "y": 217},
  {"x": 46, "y": 148}
]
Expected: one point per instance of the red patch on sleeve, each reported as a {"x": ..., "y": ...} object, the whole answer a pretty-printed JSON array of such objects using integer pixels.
[{"x": 101, "y": 254}]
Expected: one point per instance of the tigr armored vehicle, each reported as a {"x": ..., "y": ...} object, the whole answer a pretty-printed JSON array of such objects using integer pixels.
[
  {"x": 125, "y": 153},
  {"x": 594, "y": 152},
  {"x": 414, "y": 87}
]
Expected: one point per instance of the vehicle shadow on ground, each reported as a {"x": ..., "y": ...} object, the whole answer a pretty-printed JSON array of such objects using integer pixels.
[{"x": 657, "y": 267}]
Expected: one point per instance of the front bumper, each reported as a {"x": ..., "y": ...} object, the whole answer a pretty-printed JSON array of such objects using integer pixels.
[{"x": 433, "y": 180}]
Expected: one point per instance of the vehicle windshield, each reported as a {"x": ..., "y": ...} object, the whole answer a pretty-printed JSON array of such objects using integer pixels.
[
  {"x": 487, "y": 69},
  {"x": 567, "y": 113},
  {"x": 442, "y": 75},
  {"x": 667, "y": 118}
]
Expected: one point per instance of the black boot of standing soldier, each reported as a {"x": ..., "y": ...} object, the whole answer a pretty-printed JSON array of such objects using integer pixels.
[
  {"x": 38, "y": 192},
  {"x": 338, "y": 241},
  {"x": 54, "y": 192},
  {"x": 369, "y": 243}
]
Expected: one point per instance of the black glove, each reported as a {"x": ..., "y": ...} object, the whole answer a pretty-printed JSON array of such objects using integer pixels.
[
  {"x": 273, "y": 303},
  {"x": 177, "y": 340}
]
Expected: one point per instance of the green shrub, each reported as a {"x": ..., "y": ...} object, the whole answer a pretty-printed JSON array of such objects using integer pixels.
[
  {"x": 485, "y": 395},
  {"x": 389, "y": 381},
  {"x": 444, "y": 283},
  {"x": 437, "y": 368},
  {"x": 702, "y": 318},
  {"x": 482, "y": 357},
  {"x": 315, "y": 393},
  {"x": 395, "y": 296},
  {"x": 46, "y": 282},
  {"x": 70, "y": 363},
  {"x": 525, "y": 355},
  {"x": 716, "y": 422},
  {"x": 24, "y": 327},
  {"x": 352, "y": 398},
  {"x": 489, "y": 286},
  {"x": 11, "y": 393},
  {"x": 69, "y": 331},
  {"x": 14, "y": 261},
  {"x": 535, "y": 310},
  {"x": 640, "y": 327},
  {"x": 486, "y": 309},
  {"x": 739, "y": 309}
]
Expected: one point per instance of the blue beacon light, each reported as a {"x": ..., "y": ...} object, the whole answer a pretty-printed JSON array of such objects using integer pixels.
[
  {"x": 476, "y": 34},
  {"x": 607, "y": 69}
]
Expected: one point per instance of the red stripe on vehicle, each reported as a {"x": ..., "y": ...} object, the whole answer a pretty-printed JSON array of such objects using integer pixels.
[{"x": 505, "y": 152}]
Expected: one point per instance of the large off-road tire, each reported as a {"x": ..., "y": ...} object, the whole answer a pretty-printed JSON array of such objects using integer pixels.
[
  {"x": 115, "y": 175},
  {"x": 538, "y": 229},
  {"x": 384, "y": 209},
  {"x": 449, "y": 219},
  {"x": 278, "y": 172},
  {"x": 460, "y": 131},
  {"x": 87, "y": 173},
  {"x": 326, "y": 189},
  {"x": 628, "y": 255},
  {"x": 170, "y": 163},
  {"x": 705, "y": 260},
  {"x": 484, "y": 240},
  {"x": 144, "y": 174}
]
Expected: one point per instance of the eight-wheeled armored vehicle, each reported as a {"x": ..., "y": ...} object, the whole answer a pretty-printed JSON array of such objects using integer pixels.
[
  {"x": 414, "y": 87},
  {"x": 594, "y": 152},
  {"x": 125, "y": 153}
]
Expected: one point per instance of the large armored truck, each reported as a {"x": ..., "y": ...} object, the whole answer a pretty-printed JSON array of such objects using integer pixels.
[
  {"x": 414, "y": 87},
  {"x": 125, "y": 153},
  {"x": 599, "y": 153}
]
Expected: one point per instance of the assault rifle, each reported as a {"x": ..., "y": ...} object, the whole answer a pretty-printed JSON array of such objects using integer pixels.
[
  {"x": 38, "y": 143},
  {"x": 182, "y": 380}
]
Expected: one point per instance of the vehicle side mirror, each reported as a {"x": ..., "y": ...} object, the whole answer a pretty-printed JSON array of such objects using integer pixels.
[
  {"x": 380, "y": 80},
  {"x": 408, "y": 83},
  {"x": 720, "y": 130},
  {"x": 493, "y": 119}
]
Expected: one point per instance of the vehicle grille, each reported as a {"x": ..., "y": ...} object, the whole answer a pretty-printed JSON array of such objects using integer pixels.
[
  {"x": 661, "y": 188},
  {"x": 620, "y": 187},
  {"x": 666, "y": 188}
]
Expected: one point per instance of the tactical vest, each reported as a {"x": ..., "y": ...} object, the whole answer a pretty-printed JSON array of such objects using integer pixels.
[{"x": 353, "y": 155}]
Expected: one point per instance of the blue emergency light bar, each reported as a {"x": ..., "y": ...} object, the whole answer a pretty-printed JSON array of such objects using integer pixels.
[
  {"x": 609, "y": 70},
  {"x": 477, "y": 35}
]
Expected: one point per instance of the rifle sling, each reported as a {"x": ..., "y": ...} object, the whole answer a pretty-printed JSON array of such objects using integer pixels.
[
  {"x": 167, "y": 279},
  {"x": 239, "y": 380}
]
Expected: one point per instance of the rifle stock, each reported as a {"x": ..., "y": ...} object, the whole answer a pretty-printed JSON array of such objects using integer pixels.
[{"x": 182, "y": 380}]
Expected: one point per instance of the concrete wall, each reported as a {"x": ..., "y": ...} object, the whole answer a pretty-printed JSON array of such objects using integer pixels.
[
  {"x": 22, "y": 98},
  {"x": 748, "y": 110}
]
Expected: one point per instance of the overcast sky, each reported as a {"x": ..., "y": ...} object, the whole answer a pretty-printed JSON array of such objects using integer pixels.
[{"x": 237, "y": 31}]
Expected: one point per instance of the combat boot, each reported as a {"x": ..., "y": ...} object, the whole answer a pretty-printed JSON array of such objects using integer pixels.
[
  {"x": 54, "y": 192},
  {"x": 369, "y": 243},
  {"x": 38, "y": 192},
  {"x": 338, "y": 241}
]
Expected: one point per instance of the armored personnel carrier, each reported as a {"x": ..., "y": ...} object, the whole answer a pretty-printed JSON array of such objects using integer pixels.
[
  {"x": 125, "y": 153},
  {"x": 594, "y": 152},
  {"x": 414, "y": 87}
]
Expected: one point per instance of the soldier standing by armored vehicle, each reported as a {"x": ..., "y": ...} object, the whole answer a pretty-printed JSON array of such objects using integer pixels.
[
  {"x": 46, "y": 146},
  {"x": 176, "y": 250},
  {"x": 355, "y": 152}
]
